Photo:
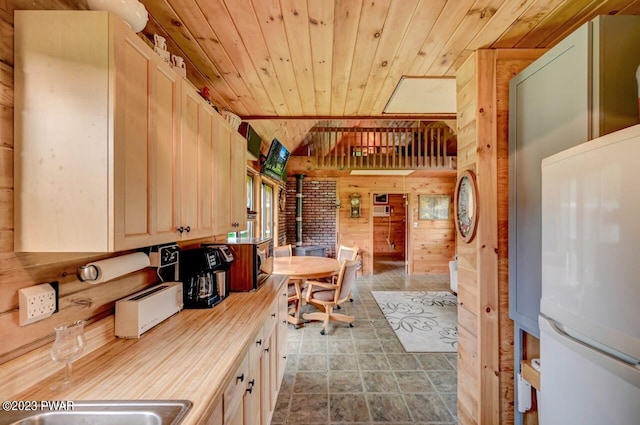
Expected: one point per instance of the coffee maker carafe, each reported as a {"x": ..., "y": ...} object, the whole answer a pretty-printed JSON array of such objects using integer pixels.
[{"x": 203, "y": 272}]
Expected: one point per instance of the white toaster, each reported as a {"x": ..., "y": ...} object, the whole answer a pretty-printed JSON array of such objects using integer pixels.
[{"x": 143, "y": 310}]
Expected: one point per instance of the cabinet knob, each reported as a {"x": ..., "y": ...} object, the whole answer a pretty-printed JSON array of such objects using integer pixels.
[
  {"x": 180, "y": 229},
  {"x": 188, "y": 229},
  {"x": 266, "y": 350},
  {"x": 240, "y": 378},
  {"x": 273, "y": 315}
]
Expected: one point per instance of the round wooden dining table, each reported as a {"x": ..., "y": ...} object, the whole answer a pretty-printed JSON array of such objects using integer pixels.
[
  {"x": 299, "y": 269},
  {"x": 303, "y": 267}
]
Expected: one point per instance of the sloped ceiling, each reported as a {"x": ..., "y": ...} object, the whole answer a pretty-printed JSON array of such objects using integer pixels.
[{"x": 283, "y": 65}]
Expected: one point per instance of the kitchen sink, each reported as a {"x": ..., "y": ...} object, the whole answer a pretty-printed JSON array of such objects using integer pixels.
[{"x": 120, "y": 412}]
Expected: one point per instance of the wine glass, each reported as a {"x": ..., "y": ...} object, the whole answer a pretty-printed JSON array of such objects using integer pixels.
[{"x": 67, "y": 347}]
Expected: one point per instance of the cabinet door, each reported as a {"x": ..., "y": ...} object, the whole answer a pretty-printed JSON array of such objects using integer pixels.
[
  {"x": 540, "y": 125},
  {"x": 131, "y": 138},
  {"x": 252, "y": 396},
  {"x": 265, "y": 383},
  {"x": 281, "y": 333},
  {"x": 165, "y": 132},
  {"x": 187, "y": 156},
  {"x": 238, "y": 182},
  {"x": 205, "y": 216},
  {"x": 223, "y": 191}
]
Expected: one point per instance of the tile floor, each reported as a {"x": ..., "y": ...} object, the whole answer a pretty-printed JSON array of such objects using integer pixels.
[{"x": 362, "y": 375}]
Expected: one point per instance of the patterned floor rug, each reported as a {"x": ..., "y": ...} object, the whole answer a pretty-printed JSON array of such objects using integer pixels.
[{"x": 424, "y": 322}]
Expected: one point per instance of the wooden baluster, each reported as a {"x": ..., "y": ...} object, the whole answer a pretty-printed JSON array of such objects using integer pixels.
[
  {"x": 393, "y": 142},
  {"x": 440, "y": 161},
  {"x": 386, "y": 148},
  {"x": 432, "y": 143},
  {"x": 418, "y": 134},
  {"x": 334, "y": 136}
]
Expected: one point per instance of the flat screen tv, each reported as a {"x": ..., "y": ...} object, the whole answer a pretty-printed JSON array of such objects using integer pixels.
[
  {"x": 276, "y": 162},
  {"x": 253, "y": 141}
]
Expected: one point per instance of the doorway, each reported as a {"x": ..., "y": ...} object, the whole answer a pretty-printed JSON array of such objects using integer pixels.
[{"x": 389, "y": 232}]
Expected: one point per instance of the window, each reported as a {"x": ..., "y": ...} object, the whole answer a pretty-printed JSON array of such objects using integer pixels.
[{"x": 267, "y": 211}]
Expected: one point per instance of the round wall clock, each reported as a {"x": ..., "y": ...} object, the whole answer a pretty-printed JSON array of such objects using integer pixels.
[{"x": 466, "y": 206}]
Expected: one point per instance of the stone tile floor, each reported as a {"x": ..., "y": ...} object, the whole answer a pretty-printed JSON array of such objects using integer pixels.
[{"x": 363, "y": 375}]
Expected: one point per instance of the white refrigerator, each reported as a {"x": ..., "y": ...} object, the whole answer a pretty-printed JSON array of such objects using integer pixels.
[{"x": 590, "y": 306}]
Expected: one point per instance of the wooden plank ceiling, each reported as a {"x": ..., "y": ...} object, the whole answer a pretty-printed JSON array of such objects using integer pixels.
[{"x": 284, "y": 65}]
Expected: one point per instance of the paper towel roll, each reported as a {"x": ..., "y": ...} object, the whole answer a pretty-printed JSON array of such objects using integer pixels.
[{"x": 112, "y": 268}]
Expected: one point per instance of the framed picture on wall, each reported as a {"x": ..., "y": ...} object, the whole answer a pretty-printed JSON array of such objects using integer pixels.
[
  {"x": 433, "y": 207},
  {"x": 380, "y": 198}
]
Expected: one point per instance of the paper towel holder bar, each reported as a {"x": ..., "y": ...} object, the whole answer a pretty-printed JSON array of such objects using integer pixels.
[
  {"x": 86, "y": 273},
  {"x": 112, "y": 268}
]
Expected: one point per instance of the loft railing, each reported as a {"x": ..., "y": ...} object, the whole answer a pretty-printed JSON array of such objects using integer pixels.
[{"x": 382, "y": 148}]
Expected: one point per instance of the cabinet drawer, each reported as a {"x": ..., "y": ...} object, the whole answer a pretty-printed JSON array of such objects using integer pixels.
[{"x": 234, "y": 392}]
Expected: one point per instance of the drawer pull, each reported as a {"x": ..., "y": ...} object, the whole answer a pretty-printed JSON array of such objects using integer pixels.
[
  {"x": 266, "y": 350},
  {"x": 259, "y": 342},
  {"x": 240, "y": 378},
  {"x": 273, "y": 315}
]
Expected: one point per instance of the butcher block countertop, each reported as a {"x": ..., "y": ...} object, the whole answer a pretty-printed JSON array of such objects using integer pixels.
[{"x": 192, "y": 355}]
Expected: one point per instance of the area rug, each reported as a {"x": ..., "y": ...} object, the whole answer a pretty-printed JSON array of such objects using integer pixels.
[{"x": 423, "y": 321}]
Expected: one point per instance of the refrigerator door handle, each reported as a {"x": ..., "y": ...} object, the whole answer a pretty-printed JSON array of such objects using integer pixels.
[{"x": 625, "y": 369}]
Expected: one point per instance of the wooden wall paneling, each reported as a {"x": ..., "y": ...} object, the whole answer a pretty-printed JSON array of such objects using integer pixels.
[
  {"x": 508, "y": 64},
  {"x": 467, "y": 378},
  {"x": 6, "y": 165},
  {"x": 6, "y": 42},
  {"x": 6, "y": 126},
  {"x": 6, "y": 84},
  {"x": 392, "y": 227},
  {"x": 487, "y": 240},
  {"x": 468, "y": 292},
  {"x": 16, "y": 339},
  {"x": 430, "y": 232}
]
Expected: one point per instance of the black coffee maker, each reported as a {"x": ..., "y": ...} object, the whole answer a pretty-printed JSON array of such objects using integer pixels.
[{"x": 203, "y": 273}]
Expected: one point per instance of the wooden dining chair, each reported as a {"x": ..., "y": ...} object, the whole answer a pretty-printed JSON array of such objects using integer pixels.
[
  {"x": 348, "y": 253},
  {"x": 282, "y": 251},
  {"x": 326, "y": 296}
]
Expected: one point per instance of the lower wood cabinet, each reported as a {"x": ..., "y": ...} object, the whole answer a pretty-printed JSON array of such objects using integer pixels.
[{"x": 250, "y": 397}]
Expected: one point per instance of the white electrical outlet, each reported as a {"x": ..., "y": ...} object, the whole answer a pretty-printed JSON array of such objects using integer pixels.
[{"x": 36, "y": 303}]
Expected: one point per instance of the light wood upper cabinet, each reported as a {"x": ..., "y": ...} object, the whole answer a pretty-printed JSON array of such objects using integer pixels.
[
  {"x": 113, "y": 150},
  {"x": 231, "y": 172},
  {"x": 86, "y": 89},
  {"x": 194, "y": 154}
]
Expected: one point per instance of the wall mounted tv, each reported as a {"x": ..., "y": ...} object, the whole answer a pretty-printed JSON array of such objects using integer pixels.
[
  {"x": 275, "y": 164},
  {"x": 253, "y": 141}
]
